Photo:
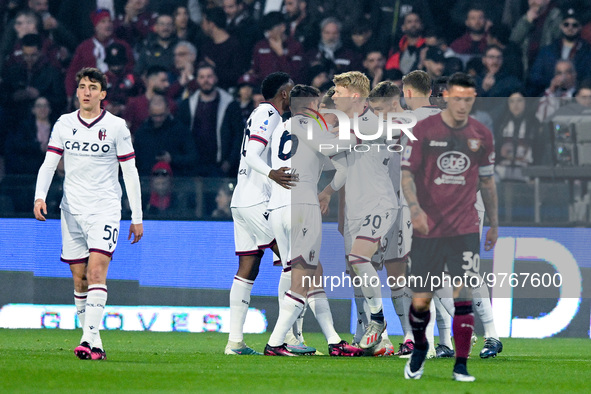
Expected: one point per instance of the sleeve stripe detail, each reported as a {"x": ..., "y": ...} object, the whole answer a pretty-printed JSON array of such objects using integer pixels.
[
  {"x": 55, "y": 150},
  {"x": 259, "y": 139},
  {"x": 126, "y": 157}
]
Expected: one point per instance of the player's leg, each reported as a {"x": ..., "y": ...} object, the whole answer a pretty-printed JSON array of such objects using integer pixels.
[
  {"x": 370, "y": 285},
  {"x": 483, "y": 308},
  {"x": 320, "y": 307},
  {"x": 80, "y": 288},
  {"x": 444, "y": 307},
  {"x": 249, "y": 231},
  {"x": 291, "y": 307},
  {"x": 463, "y": 264},
  {"x": 98, "y": 266},
  {"x": 75, "y": 253},
  {"x": 396, "y": 271},
  {"x": 463, "y": 327},
  {"x": 427, "y": 260},
  {"x": 369, "y": 231},
  {"x": 492, "y": 343}
]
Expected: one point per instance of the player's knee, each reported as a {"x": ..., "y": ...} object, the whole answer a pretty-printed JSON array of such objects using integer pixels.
[{"x": 421, "y": 304}]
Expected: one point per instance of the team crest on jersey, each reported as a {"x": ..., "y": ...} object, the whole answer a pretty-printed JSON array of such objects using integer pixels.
[
  {"x": 102, "y": 134},
  {"x": 312, "y": 253},
  {"x": 473, "y": 144}
]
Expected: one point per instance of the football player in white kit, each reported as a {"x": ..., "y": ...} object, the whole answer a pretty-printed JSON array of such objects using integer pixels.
[
  {"x": 297, "y": 224},
  {"x": 93, "y": 143},
  {"x": 370, "y": 201},
  {"x": 384, "y": 98},
  {"x": 252, "y": 231}
]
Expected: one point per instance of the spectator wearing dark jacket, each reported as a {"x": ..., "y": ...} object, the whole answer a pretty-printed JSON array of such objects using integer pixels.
[
  {"x": 474, "y": 41},
  {"x": 163, "y": 138},
  {"x": 570, "y": 46},
  {"x": 407, "y": 57},
  {"x": 157, "y": 49},
  {"x": 25, "y": 81},
  {"x": 220, "y": 49},
  {"x": 92, "y": 52},
  {"x": 494, "y": 82},
  {"x": 277, "y": 51},
  {"x": 203, "y": 113},
  {"x": 331, "y": 53}
]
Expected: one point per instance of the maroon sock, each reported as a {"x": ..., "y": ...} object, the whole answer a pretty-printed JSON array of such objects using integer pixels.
[
  {"x": 418, "y": 322},
  {"x": 463, "y": 327}
]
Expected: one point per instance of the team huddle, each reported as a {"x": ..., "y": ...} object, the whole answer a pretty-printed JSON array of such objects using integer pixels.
[
  {"x": 410, "y": 202},
  {"x": 431, "y": 189}
]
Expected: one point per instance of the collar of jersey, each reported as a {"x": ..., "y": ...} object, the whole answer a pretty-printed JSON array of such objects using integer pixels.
[{"x": 102, "y": 115}]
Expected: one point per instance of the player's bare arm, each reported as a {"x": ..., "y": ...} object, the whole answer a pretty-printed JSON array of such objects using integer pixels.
[
  {"x": 488, "y": 189},
  {"x": 417, "y": 215},
  {"x": 39, "y": 209}
]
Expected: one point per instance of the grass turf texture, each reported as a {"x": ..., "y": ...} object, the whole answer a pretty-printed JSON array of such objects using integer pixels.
[{"x": 43, "y": 360}]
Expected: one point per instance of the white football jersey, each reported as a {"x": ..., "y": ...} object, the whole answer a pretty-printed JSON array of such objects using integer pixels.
[
  {"x": 394, "y": 164},
  {"x": 368, "y": 182},
  {"x": 253, "y": 187},
  {"x": 288, "y": 149},
  {"x": 91, "y": 152}
]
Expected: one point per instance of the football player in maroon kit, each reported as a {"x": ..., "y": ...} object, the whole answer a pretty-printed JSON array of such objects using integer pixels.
[{"x": 451, "y": 160}]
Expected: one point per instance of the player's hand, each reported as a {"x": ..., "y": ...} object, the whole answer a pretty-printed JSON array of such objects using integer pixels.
[
  {"x": 282, "y": 177},
  {"x": 138, "y": 232},
  {"x": 419, "y": 220},
  {"x": 324, "y": 200},
  {"x": 491, "y": 238},
  {"x": 39, "y": 207}
]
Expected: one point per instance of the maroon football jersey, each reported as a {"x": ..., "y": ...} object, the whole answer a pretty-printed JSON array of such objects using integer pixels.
[{"x": 446, "y": 164}]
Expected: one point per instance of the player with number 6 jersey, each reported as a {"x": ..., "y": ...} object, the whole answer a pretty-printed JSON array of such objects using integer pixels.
[
  {"x": 296, "y": 220},
  {"x": 252, "y": 232}
]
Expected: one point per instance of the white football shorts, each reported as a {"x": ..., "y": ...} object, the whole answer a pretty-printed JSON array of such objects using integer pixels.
[
  {"x": 252, "y": 230},
  {"x": 298, "y": 231},
  {"x": 396, "y": 243},
  {"x": 83, "y": 234}
]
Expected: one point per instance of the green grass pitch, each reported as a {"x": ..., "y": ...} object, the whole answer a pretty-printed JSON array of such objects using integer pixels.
[{"x": 43, "y": 360}]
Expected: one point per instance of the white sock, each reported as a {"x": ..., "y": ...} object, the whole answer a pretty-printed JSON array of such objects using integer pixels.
[
  {"x": 430, "y": 331},
  {"x": 398, "y": 297},
  {"x": 406, "y": 302},
  {"x": 482, "y": 307},
  {"x": 298, "y": 327},
  {"x": 370, "y": 281},
  {"x": 295, "y": 336},
  {"x": 291, "y": 307},
  {"x": 445, "y": 295},
  {"x": 319, "y": 304},
  {"x": 239, "y": 303},
  {"x": 80, "y": 302},
  {"x": 443, "y": 323},
  {"x": 95, "y": 306},
  {"x": 362, "y": 314},
  {"x": 284, "y": 285}
]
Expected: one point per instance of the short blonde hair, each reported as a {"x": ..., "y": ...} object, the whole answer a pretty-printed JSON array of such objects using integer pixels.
[{"x": 353, "y": 80}]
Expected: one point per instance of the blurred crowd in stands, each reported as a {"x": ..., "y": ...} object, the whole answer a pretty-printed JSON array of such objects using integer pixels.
[{"x": 185, "y": 75}]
